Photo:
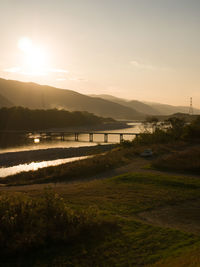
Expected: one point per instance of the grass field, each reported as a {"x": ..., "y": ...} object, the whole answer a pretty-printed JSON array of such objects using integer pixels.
[
  {"x": 123, "y": 237},
  {"x": 187, "y": 160}
]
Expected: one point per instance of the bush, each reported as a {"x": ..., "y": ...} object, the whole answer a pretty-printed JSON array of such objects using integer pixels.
[
  {"x": 192, "y": 131},
  {"x": 27, "y": 222},
  {"x": 187, "y": 160},
  {"x": 172, "y": 130},
  {"x": 159, "y": 136}
]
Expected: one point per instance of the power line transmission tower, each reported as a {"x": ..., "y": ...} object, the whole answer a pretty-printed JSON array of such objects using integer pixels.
[{"x": 191, "y": 107}]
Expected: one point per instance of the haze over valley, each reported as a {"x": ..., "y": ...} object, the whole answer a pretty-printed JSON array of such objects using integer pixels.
[{"x": 35, "y": 96}]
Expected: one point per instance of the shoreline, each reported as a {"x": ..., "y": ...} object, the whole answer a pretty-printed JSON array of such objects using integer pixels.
[
  {"x": 100, "y": 127},
  {"x": 10, "y": 159}
]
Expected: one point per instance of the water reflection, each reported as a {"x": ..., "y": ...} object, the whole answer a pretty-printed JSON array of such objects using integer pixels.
[
  {"x": 45, "y": 144},
  {"x": 33, "y": 166},
  {"x": 17, "y": 144},
  {"x": 10, "y": 143}
]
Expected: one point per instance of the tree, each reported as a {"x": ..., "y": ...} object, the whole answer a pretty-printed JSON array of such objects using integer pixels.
[
  {"x": 151, "y": 123},
  {"x": 175, "y": 126}
]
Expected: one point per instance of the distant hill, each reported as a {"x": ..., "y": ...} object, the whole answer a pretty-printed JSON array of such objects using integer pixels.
[
  {"x": 134, "y": 104},
  {"x": 4, "y": 102},
  {"x": 165, "y": 109},
  {"x": 148, "y": 108},
  {"x": 35, "y": 96}
]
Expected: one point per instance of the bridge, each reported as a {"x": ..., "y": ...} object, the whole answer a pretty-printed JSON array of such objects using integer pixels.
[{"x": 76, "y": 134}]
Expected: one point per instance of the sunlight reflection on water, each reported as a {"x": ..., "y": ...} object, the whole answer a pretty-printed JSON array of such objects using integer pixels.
[
  {"x": 33, "y": 166},
  {"x": 39, "y": 143}
]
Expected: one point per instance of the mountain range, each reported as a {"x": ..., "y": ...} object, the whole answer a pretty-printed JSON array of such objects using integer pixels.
[
  {"x": 149, "y": 108},
  {"x": 35, "y": 96}
]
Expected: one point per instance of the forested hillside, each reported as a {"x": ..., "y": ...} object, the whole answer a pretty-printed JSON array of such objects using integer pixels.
[{"x": 18, "y": 118}]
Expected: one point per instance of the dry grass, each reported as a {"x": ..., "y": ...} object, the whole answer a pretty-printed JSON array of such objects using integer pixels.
[
  {"x": 185, "y": 259},
  {"x": 187, "y": 160},
  {"x": 27, "y": 223}
]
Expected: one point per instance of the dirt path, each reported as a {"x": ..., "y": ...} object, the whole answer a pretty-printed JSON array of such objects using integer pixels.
[{"x": 184, "y": 216}]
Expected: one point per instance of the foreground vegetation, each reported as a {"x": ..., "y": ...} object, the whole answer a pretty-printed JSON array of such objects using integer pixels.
[
  {"x": 28, "y": 224},
  {"x": 56, "y": 230}
]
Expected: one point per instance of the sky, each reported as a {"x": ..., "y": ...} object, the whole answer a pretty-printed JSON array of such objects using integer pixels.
[{"x": 135, "y": 49}]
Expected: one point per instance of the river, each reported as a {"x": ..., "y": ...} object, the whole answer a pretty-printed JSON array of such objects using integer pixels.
[{"x": 36, "y": 144}]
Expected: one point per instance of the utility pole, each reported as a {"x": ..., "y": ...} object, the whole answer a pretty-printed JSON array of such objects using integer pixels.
[{"x": 191, "y": 107}]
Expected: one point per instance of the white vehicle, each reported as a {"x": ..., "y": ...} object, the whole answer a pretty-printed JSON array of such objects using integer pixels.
[{"x": 147, "y": 153}]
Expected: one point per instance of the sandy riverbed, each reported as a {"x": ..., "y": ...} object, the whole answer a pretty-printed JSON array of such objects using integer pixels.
[{"x": 15, "y": 158}]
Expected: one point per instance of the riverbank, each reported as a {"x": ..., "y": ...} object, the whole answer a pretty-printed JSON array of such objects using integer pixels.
[
  {"x": 98, "y": 127},
  {"x": 15, "y": 158}
]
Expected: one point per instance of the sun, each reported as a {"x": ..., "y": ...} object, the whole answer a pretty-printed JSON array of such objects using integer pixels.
[
  {"x": 34, "y": 57},
  {"x": 25, "y": 44}
]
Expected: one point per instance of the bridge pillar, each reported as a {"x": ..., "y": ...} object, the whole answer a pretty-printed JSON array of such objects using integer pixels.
[
  {"x": 105, "y": 138},
  {"x": 50, "y": 135},
  {"x": 91, "y": 137},
  {"x": 121, "y": 137},
  {"x": 76, "y": 136}
]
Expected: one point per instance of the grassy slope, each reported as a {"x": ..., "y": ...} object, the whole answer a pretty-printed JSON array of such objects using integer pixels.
[
  {"x": 120, "y": 199},
  {"x": 187, "y": 160}
]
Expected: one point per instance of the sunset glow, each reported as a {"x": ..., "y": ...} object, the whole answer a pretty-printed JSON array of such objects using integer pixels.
[
  {"x": 34, "y": 58},
  {"x": 150, "y": 54}
]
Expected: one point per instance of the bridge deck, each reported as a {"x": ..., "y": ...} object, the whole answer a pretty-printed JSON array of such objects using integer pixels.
[
  {"x": 64, "y": 132},
  {"x": 76, "y": 134}
]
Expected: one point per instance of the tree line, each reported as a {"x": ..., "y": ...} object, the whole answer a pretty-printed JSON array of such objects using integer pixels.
[
  {"x": 172, "y": 129},
  {"x": 19, "y": 118}
]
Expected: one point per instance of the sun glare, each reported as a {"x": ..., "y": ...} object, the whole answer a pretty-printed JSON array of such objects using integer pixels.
[
  {"x": 25, "y": 44},
  {"x": 34, "y": 57},
  {"x": 36, "y": 140}
]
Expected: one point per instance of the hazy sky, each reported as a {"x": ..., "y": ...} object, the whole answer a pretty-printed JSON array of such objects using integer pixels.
[{"x": 137, "y": 49}]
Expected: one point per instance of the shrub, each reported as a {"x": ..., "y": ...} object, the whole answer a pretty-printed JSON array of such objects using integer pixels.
[
  {"x": 158, "y": 136},
  {"x": 187, "y": 160},
  {"x": 192, "y": 131},
  {"x": 27, "y": 222}
]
